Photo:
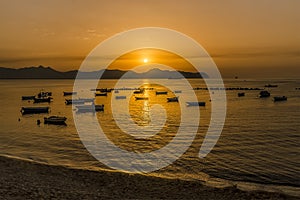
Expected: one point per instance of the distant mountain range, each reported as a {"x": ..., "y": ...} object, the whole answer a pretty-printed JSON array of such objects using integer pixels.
[{"x": 49, "y": 73}]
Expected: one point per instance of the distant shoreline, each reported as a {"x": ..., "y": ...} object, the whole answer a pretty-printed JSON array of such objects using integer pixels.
[{"x": 25, "y": 179}]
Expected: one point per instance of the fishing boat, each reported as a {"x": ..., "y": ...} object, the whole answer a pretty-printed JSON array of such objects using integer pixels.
[
  {"x": 172, "y": 99},
  {"x": 42, "y": 100},
  {"x": 264, "y": 94},
  {"x": 161, "y": 92},
  {"x": 74, "y": 101},
  {"x": 195, "y": 103},
  {"x": 141, "y": 98},
  {"x": 101, "y": 94},
  {"x": 280, "y": 98},
  {"x": 120, "y": 97},
  {"x": 90, "y": 108},
  {"x": 55, "y": 120},
  {"x": 28, "y": 97},
  {"x": 34, "y": 110},
  {"x": 69, "y": 93},
  {"x": 270, "y": 85},
  {"x": 241, "y": 94}
]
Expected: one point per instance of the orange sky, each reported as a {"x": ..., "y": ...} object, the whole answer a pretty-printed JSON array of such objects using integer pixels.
[{"x": 256, "y": 37}]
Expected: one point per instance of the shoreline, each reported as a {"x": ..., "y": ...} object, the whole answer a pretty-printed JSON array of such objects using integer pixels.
[{"x": 30, "y": 180}]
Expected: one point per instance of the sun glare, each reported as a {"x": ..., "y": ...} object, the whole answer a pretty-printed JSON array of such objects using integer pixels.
[{"x": 145, "y": 60}]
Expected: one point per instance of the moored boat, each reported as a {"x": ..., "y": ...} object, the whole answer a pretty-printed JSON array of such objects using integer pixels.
[
  {"x": 42, "y": 100},
  {"x": 177, "y": 91},
  {"x": 241, "y": 94},
  {"x": 87, "y": 100},
  {"x": 34, "y": 110},
  {"x": 55, "y": 120},
  {"x": 120, "y": 97},
  {"x": 280, "y": 98},
  {"x": 141, "y": 98},
  {"x": 161, "y": 92},
  {"x": 69, "y": 93},
  {"x": 74, "y": 101},
  {"x": 101, "y": 94},
  {"x": 28, "y": 97},
  {"x": 172, "y": 99},
  {"x": 90, "y": 108},
  {"x": 270, "y": 85},
  {"x": 264, "y": 94},
  {"x": 195, "y": 103}
]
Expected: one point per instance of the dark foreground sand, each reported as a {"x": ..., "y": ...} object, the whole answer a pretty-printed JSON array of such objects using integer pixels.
[{"x": 27, "y": 180}]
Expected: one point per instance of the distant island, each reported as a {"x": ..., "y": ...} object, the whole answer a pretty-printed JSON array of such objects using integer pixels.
[{"x": 42, "y": 72}]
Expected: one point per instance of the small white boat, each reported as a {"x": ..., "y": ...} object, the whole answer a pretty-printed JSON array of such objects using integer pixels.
[
  {"x": 55, "y": 120},
  {"x": 195, "y": 103}
]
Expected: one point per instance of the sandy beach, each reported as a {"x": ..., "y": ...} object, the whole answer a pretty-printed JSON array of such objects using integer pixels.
[{"x": 21, "y": 179}]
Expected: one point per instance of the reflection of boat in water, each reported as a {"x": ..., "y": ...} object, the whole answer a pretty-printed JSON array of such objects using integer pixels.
[
  {"x": 42, "y": 99},
  {"x": 90, "y": 108},
  {"x": 101, "y": 94},
  {"x": 34, "y": 110},
  {"x": 161, "y": 92},
  {"x": 264, "y": 94},
  {"x": 69, "y": 93},
  {"x": 28, "y": 97},
  {"x": 270, "y": 85},
  {"x": 195, "y": 103},
  {"x": 120, "y": 97},
  {"x": 74, "y": 101},
  {"x": 141, "y": 98},
  {"x": 172, "y": 99},
  {"x": 241, "y": 94},
  {"x": 280, "y": 98},
  {"x": 55, "y": 120}
]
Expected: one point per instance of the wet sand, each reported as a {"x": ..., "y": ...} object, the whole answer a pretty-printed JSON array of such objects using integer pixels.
[{"x": 28, "y": 180}]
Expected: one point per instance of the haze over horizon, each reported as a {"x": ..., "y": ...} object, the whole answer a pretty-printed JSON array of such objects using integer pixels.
[{"x": 244, "y": 38}]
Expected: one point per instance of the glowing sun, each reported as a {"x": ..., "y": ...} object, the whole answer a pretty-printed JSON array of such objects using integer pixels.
[{"x": 146, "y": 60}]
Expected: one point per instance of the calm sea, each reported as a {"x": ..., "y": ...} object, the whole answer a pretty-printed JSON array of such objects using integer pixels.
[{"x": 258, "y": 148}]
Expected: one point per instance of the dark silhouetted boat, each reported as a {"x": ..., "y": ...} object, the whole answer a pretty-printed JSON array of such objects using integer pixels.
[
  {"x": 177, "y": 91},
  {"x": 139, "y": 91},
  {"x": 161, "y": 92},
  {"x": 90, "y": 108},
  {"x": 120, "y": 97},
  {"x": 195, "y": 103},
  {"x": 69, "y": 93},
  {"x": 34, "y": 110},
  {"x": 55, "y": 120},
  {"x": 172, "y": 99},
  {"x": 74, "y": 101},
  {"x": 270, "y": 85},
  {"x": 42, "y": 100},
  {"x": 101, "y": 94},
  {"x": 264, "y": 94},
  {"x": 280, "y": 98},
  {"x": 241, "y": 94},
  {"x": 141, "y": 98},
  {"x": 28, "y": 97}
]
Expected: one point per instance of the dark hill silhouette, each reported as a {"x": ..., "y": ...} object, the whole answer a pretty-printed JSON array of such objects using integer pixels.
[{"x": 49, "y": 73}]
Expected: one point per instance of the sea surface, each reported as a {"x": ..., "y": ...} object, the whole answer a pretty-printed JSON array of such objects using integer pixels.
[{"x": 258, "y": 148}]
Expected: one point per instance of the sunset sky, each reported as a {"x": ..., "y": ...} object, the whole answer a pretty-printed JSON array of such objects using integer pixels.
[{"x": 245, "y": 38}]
